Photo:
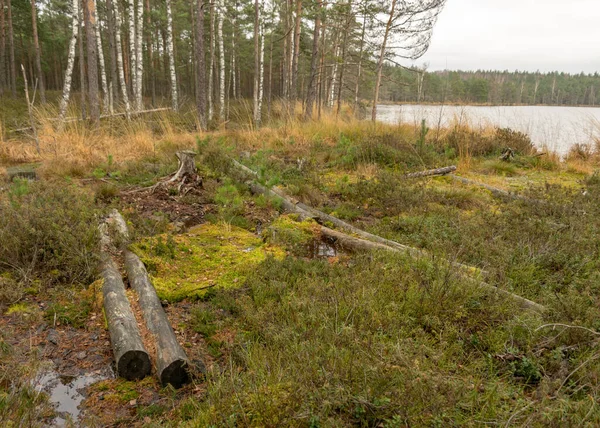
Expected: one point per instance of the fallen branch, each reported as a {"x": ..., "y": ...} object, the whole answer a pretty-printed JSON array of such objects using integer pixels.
[
  {"x": 353, "y": 243},
  {"x": 431, "y": 172}
]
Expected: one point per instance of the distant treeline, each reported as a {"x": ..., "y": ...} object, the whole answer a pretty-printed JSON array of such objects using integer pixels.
[{"x": 490, "y": 87}]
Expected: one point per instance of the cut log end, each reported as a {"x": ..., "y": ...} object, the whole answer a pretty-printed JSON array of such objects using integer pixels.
[
  {"x": 176, "y": 374},
  {"x": 134, "y": 365}
]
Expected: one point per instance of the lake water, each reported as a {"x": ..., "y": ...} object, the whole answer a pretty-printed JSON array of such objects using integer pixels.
[{"x": 555, "y": 128}]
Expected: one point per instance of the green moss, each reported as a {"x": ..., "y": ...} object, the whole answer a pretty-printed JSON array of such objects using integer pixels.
[
  {"x": 208, "y": 255},
  {"x": 295, "y": 235}
]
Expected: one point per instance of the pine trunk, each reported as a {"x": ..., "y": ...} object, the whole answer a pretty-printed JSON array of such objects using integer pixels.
[
  {"x": 200, "y": 66},
  {"x": 114, "y": 74},
  {"x": 174, "y": 98},
  {"x": 3, "y": 80},
  {"x": 92, "y": 58},
  {"x": 312, "y": 83},
  {"x": 38, "y": 60},
  {"x": 11, "y": 53},
  {"x": 82, "y": 73},
  {"x": 295, "y": 58},
  {"x": 64, "y": 101}
]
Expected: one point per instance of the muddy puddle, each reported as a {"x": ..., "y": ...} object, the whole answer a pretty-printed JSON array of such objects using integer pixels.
[{"x": 67, "y": 393}]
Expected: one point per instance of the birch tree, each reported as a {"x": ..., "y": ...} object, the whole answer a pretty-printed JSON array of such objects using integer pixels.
[
  {"x": 122, "y": 80},
  {"x": 295, "y": 57},
  {"x": 170, "y": 52},
  {"x": 112, "y": 48},
  {"x": 256, "y": 63},
  {"x": 139, "y": 67},
  {"x": 103, "y": 79},
  {"x": 221, "y": 60},
  {"x": 38, "y": 60},
  {"x": 64, "y": 101},
  {"x": 132, "y": 49},
  {"x": 82, "y": 73},
  {"x": 92, "y": 59},
  {"x": 212, "y": 61}
]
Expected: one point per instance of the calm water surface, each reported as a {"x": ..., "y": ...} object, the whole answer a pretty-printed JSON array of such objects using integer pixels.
[{"x": 555, "y": 128}]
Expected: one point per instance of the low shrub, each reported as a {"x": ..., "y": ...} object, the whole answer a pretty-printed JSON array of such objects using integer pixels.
[{"x": 48, "y": 231}]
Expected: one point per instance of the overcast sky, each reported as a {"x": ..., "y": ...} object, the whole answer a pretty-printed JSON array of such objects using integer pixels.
[{"x": 548, "y": 35}]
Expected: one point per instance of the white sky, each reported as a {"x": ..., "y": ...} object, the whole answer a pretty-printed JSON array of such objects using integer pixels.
[{"x": 548, "y": 35}]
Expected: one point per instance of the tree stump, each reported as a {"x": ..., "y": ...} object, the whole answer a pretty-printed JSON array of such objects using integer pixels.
[{"x": 187, "y": 166}]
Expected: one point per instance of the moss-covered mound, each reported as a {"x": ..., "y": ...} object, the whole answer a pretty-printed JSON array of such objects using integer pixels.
[{"x": 208, "y": 255}]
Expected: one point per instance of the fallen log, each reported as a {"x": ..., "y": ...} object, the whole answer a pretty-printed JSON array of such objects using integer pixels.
[
  {"x": 495, "y": 190},
  {"x": 171, "y": 360},
  {"x": 353, "y": 243},
  {"x": 431, "y": 172},
  {"x": 132, "y": 360}
]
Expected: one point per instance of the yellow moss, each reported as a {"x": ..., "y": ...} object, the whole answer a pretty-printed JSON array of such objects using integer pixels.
[
  {"x": 293, "y": 234},
  {"x": 208, "y": 255},
  {"x": 20, "y": 308}
]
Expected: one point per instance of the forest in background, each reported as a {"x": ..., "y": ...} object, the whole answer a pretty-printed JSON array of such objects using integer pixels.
[{"x": 490, "y": 87}]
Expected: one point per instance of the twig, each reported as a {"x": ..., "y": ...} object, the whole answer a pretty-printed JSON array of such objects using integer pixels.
[{"x": 568, "y": 326}]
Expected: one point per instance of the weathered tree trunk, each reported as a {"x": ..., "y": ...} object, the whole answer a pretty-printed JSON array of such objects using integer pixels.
[
  {"x": 438, "y": 171},
  {"x": 380, "y": 61},
  {"x": 122, "y": 80},
  {"x": 187, "y": 165},
  {"x": 132, "y": 360},
  {"x": 38, "y": 60},
  {"x": 261, "y": 68},
  {"x": 11, "y": 51},
  {"x": 349, "y": 20},
  {"x": 200, "y": 66},
  {"x": 174, "y": 97},
  {"x": 312, "y": 83},
  {"x": 221, "y": 60},
  {"x": 171, "y": 360},
  {"x": 370, "y": 241},
  {"x": 82, "y": 72},
  {"x": 92, "y": 59},
  {"x": 103, "y": 78},
  {"x": 114, "y": 73},
  {"x": 64, "y": 101}
]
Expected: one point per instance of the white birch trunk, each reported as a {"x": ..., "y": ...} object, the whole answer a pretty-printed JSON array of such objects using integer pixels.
[
  {"x": 132, "y": 48},
  {"x": 221, "y": 61},
  {"x": 64, "y": 101},
  {"x": 233, "y": 83},
  {"x": 170, "y": 49},
  {"x": 139, "y": 102},
  {"x": 102, "y": 66},
  {"x": 261, "y": 67},
  {"x": 333, "y": 76},
  {"x": 120, "y": 59},
  {"x": 256, "y": 64}
]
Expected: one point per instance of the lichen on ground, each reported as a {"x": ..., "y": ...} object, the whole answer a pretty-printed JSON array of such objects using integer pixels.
[{"x": 209, "y": 255}]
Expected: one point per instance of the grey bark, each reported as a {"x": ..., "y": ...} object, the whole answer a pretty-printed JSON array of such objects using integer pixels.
[
  {"x": 64, "y": 101},
  {"x": 92, "y": 59},
  {"x": 38, "y": 60},
  {"x": 312, "y": 84},
  {"x": 132, "y": 360},
  {"x": 11, "y": 51},
  {"x": 200, "y": 66},
  {"x": 171, "y": 360}
]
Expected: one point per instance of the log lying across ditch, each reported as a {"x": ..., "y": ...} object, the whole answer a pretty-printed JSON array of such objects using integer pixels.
[
  {"x": 432, "y": 172},
  {"x": 354, "y": 243},
  {"x": 172, "y": 364},
  {"x": 132, "y": 360},
  {"x": 171, "y": 360}
]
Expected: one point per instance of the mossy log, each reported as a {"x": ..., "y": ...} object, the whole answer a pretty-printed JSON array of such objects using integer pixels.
[
  {"x": 171, "y": 360},
  {"x": 432, "y": 172},
  {"x": 132, "y": 360},
  {"x": 353, "y": 243}
]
